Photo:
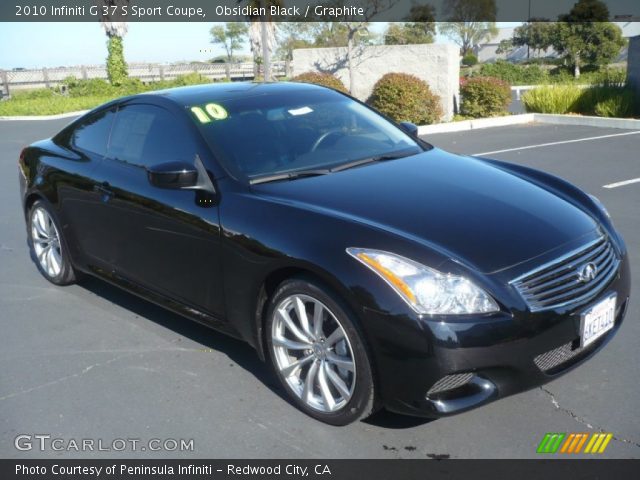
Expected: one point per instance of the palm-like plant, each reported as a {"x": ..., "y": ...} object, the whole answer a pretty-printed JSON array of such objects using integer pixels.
[{"x": 116, "y": 65}]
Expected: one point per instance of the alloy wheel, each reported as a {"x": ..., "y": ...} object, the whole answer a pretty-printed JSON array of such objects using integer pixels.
[
  {"x": 313, "y": 353},
  {"x": 46, "y": 242}
]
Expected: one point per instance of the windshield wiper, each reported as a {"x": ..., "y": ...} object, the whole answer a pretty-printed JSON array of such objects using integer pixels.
[
  {"x": 374, "y": 159},
  {"x": 289, "y": 176}
]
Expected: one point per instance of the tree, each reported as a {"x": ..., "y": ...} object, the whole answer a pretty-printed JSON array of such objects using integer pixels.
[
  {"x": 409, "y": 33},
  {"x": 292, "y": 35},
  {"x": 587, "y": 11},
  {"x": 330, "y": 34},
  {"x": 231, "y": 36},
  {"x": 536, "y": 34},
  {"x": 117, "y": 71},
  {"x": 584, "y": 36},
  {"x": 469, "y": 22},
  {"x": 595, "y": 43},
  {"x": 355, "y": 29},
  {"x": 420, "y": 29}
]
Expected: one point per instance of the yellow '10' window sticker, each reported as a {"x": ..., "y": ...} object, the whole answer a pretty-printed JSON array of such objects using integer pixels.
[{"x": 211, "y": 111}]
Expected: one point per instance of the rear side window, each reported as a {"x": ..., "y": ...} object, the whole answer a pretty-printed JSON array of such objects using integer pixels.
[
  {"x": 92, "y": 134},
  {"x": 146, "y": 135}
]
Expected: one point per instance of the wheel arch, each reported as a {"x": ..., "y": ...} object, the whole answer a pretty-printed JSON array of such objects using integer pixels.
[
  {"x": 276, "y": 277},
  {"x": 32, "y": 198}
]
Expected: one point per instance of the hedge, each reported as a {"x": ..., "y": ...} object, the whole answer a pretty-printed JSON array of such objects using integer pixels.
[
  {"x": 406, "y": 98},
  {"x": 324, "y": 79},
  {"x": 484, "y": 97}
]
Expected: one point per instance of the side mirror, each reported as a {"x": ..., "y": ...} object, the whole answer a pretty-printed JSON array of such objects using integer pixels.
[
  {"x": 410, "y": 128},
  {"x": 173, "y": 175}
]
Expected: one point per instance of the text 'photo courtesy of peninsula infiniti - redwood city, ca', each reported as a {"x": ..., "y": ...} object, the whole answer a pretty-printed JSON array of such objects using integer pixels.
[{"x": 369, "y": 268}]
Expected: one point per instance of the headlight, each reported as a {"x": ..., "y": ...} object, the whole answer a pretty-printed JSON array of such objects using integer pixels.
[
  {"x": 600, "y": 205},
  {"x": 426, "y": 290}
]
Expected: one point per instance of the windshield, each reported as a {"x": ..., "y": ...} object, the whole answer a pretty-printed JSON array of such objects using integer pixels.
[{"x": 263, "y": 135}]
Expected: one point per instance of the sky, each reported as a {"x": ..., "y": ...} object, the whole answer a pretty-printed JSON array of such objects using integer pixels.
[{"x": 37, "y": 45}]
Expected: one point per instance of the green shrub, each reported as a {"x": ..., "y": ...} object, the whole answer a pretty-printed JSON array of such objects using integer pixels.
[
  {"x": 514, "y": 74},
  {"x": 469, "y": 60},
  {"x": 558, "y": 99},
  {"x": 90, "y": 87},
  {"x": 406, "y": 98},
  {"x": 484, "y": 97},
  {"x": 590, "y": 76},
  {"x": 324, "y": 79},
  {"x": 611, "y": 77},
  {"x": 607, "y": 101},
  {"x": 603, "y": 101},
  {"x": 562, "y": 75},
  {"x": 193, "y": 78}
]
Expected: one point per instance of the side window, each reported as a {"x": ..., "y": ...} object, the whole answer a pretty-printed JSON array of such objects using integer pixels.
[
  {"x": 92, "y": 135},
  {"x": 146, "y": 135}
]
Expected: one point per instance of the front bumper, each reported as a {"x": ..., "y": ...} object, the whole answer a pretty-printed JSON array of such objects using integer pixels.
[{"x": 437, "y": 367}]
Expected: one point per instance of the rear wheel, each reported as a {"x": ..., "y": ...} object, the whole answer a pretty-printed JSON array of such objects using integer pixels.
[
  {"x": 47, "y": 245},
  {"x": 318, "y": 353}
]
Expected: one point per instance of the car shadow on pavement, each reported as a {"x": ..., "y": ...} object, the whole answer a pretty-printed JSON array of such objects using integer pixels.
[
  {"x": 395, "y": 421},
  {"x": 240, "y": 352}
]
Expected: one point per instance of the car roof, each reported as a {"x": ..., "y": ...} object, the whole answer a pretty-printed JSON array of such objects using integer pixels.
[{"x": 214, "y": 92}]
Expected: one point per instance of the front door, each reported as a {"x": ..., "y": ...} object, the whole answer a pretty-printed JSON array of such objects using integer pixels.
[{"x": 165, "y": 240}]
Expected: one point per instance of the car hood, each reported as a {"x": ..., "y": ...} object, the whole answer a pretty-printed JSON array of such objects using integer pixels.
[{"x": 474, "y": 212}]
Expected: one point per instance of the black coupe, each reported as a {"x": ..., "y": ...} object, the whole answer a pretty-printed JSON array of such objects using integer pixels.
[{"x": 370, "y": 268}]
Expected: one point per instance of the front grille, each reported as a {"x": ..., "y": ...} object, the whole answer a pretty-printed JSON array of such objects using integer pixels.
[
  {"x": 556, "y": 357},
  {"x": 560, "y": 283},
  {"x": 450, "y": 382}
]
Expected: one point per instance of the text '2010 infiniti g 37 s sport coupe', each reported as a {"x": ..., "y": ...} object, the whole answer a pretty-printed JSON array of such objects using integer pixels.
[{"x": 368, "y": 267}]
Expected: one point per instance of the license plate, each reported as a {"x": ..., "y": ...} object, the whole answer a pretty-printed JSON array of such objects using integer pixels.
[{"x": 598, "y": 320}]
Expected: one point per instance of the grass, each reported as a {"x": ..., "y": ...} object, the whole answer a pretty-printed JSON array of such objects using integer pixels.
[
  {"x": 83, "y": 95},
  {"x": 23, "y": 105},
  {"x": 602, "y": 101},
  {"x": 559, "y": 99}
]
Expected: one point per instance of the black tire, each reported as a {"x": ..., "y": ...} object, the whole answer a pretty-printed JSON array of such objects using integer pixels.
[
  {"x": 363, "y": 401},
  {"x": 66, "y": 274}
]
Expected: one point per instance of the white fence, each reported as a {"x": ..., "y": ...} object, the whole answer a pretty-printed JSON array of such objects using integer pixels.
[{"x": 146, "y": 72}]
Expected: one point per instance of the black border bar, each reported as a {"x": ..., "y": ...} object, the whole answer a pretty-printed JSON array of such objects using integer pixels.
[
  {"x": 547, "y": 469},
  {"x": 294, "y": 10}
]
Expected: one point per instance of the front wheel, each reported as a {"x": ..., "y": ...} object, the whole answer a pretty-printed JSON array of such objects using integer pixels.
[
  {"x": 318, "y": 353},
  {"x": 47, "y": 245}
]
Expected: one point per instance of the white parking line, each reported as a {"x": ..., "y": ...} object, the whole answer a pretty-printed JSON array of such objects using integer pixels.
[
  {"x": 528, "y": 147},
  {"x": 622, "y": 183}
]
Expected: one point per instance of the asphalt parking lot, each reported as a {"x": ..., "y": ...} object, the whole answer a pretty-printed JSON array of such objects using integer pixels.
[{"x": 90, "y": 361}]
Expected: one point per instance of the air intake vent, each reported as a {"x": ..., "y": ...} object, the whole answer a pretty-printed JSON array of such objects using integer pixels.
[
  {"x": 573, "y": 278},
  {"x": 450, "y": 382}
]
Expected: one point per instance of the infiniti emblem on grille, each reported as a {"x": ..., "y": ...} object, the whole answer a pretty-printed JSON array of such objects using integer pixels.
[{"x": 587, "y": 272}]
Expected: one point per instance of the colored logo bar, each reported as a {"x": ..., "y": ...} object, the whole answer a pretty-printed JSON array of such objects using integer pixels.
[{"x": 574, "y": 442}]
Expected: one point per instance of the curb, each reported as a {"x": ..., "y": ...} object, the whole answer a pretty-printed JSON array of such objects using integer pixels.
[
  {"x": 46, "y": 117},
  {"x": 478, "y": 123},
  {"x": 621, "y": 123}
]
